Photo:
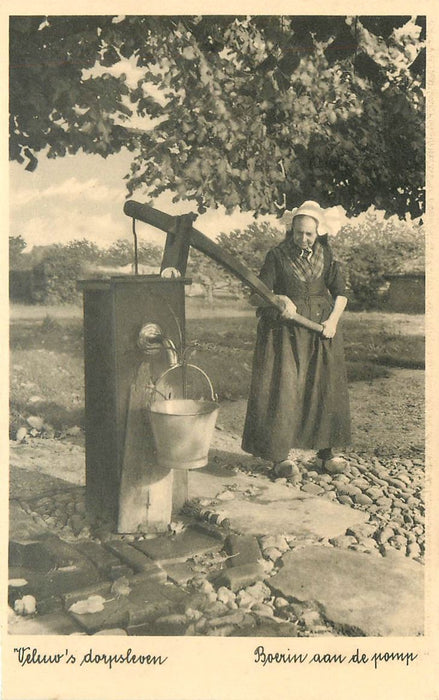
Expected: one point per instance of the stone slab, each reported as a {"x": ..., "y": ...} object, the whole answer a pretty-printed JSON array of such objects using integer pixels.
[
  {"x": 145, "y": 601},
  {"x": 237, "y": 577},
  {"x": 243, "y": 549},
  {"x": 106, "y": 563},
  {"x": 53, "y": 623},
  {"x": 179, "y": 573},
  {"x": 62, "y": 569},
  {"x": 275, "y": 508},
  {"x": 114, "y": 614},
  {"x": 135, "y": 558},
  {"x": 380, "y": 597},
  {"x": 282, "y": 510},
  {"x": 50, "y": 553},
  {"x": 180, "y": 547}
]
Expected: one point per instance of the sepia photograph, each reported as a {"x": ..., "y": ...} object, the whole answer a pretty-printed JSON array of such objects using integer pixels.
[{"x": 217, "y": 243}]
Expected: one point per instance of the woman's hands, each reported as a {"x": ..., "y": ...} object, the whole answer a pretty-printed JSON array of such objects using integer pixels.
[
  {"x": 289, "y": 309},
  {"x": 329, "y": 327}
]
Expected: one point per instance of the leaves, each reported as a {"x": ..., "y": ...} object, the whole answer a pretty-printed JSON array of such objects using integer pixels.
[
  {"x": 121, "y": 587},
  {"x": 221, "y": 99},
  {"x": 92, "y": 604}
]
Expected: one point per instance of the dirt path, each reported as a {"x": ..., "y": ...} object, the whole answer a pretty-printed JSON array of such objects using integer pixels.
[{"x": 387, "y": 414}]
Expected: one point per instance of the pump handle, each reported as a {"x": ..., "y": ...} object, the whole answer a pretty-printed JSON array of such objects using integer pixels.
[{"x": 166, "y": 223}]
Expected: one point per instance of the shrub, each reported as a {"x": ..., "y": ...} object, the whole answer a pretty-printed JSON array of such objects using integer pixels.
[{"x": 373, "y": 248}]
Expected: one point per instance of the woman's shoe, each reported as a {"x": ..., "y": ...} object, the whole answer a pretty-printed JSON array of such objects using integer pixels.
[{"x": 283, "y": 469}]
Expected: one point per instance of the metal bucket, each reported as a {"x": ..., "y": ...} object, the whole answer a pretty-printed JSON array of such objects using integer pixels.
[{"x": 183, "y": 429}]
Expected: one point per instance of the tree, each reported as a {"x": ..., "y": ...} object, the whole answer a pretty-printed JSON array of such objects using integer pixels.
[
  {"x": 251, "y": 112},
  {"x": 372, "y": 248},
  {"x": 121, "y": 253},
  {"x": 16, "y": 246}
]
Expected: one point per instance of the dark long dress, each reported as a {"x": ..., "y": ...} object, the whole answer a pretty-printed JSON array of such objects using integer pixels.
[{"x": 298, "y": 394}]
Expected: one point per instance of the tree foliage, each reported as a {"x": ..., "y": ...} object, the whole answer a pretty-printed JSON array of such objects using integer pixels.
[
  {"x": 121, "y": 253},
  {"x": 254, "y": 112},
  {"x": 373, "y": 248},
  {"x": 17, "y": 244}
]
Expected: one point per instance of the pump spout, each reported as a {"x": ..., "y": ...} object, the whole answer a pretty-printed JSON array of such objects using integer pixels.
[{"x": 152, "y": 341}]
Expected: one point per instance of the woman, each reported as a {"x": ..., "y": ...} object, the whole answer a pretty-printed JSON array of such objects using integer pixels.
[{"x": 298, "y": 395}]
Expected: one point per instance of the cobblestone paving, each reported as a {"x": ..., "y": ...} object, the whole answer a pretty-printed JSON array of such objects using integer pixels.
[{"x": 68, "y": 576}]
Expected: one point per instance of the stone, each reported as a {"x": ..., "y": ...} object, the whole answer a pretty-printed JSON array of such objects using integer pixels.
[
  {"x": 57, "y": 623},
  {"x": 259, "y": 591},
  {"x": 374, "y": 492},
  {"x": 216, "y": 609},
  {"x": 76, "y": 523},
  {"x": 280, "y": 603},
  {"x": 272, "y": 553},
  {"x": 102, "y": 588},
  {"x": 360, "y": 483},
  {"x": 21, "y": 434},
  {"x": 312, "y": 488},
  {"x": 279, "y": 510},
  {"x": 413, "y": 550},
  {"x": 330, "y": 495},
  {"x": 179, "y": 573},
  {"x": 174, "y": 624},
  {"x": 263, "y": 609},
  {"x": 279, "y": 542},
  {"x": 35, "y": 422},
  {"x": 379, "y": 597},
  {"x": 340, "y": 479},
  {"x": 192, "y": 614},
  {"x": 50, "y": 553},
  {"x": 237, "y": 577},
  {"x": 114, "y": 614},
  {"x": 244, "y": 600},
  {"x": 369, "y": 544},
  {"x": 310, "y": 618},
  {"x": 106, "y": 563},
  {"x": 343, "y": 541},
  {"x": 135, "y": 559},
  {"x": 336, "y": 465},
  {"x": 362, "y": 530},
  {"x": 229, "y": 619},
  {"x": 242, "y": 549},
  {"x": 224, "y": 631},
  {"x": 346, "y": 500},
  {"x": 225, "y": 595},
  {"x": 267, "y": 628},
  {"x": 385, "y": 534},
  {"x": 363, "y": 500},
  {"x": 112, "y": 632},
  {"x": 180, "y": 547},
  {"x": 313, "y": 474},
  {"x": 348, "y": 490}
]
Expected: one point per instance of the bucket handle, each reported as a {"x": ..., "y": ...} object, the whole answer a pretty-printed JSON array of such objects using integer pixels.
[{"x": 170, "y": 369}]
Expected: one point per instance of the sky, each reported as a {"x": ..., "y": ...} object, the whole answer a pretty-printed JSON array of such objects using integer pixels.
[{"x": 82, "y": 196}]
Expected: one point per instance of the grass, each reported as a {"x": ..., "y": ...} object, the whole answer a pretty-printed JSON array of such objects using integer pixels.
[
  {"x": 226, "y": 349},
  {"x": 47, "y": 357}
]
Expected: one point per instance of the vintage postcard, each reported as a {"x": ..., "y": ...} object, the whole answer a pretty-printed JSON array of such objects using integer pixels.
[{"x": 221, "y": 427}]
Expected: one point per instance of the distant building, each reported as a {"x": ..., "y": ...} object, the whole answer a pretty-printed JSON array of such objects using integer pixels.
[{"x": 406, "y": 293}]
